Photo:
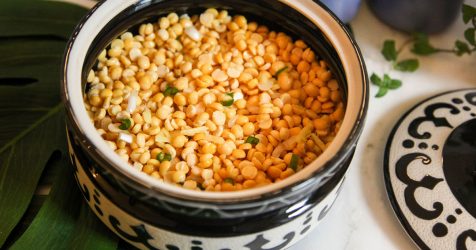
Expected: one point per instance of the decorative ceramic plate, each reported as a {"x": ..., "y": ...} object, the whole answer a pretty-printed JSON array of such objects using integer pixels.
[{"x": 430, "y": 171}]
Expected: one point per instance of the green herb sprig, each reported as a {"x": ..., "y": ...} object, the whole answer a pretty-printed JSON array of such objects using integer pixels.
[
  {"x": 386, "y": 83},
  {"x": 420, "y": 45},
  {"x": 390, "y": 52}
]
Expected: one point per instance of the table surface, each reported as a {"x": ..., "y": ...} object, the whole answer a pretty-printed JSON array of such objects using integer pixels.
[{"x": 362, "y": 217}]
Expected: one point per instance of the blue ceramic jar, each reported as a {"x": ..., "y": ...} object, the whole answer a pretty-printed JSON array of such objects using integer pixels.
[{"x": 427, "y": 16}]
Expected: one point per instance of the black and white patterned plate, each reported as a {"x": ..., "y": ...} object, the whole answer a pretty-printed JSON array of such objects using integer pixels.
[{"x": 430, "y": 171}]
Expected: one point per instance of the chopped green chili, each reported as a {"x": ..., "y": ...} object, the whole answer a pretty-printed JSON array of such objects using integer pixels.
[
  {"x": 170, "y": 91},
  {"x": 281, "y": 70},
  {"x": 229, "y": 180},
  {"x": 228, "y": 102},
  {"x": 252, "y": 140},
  {"x": 294, "y": 162},
  {"x": 125, "y": 124},
  {"x": 164, "y": 157}
]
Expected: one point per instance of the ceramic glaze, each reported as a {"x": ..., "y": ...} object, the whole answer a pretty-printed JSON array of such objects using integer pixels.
[
  {"x": 144, "y": 235},
  {"x": 427, "y": 16},
  {"x": 429, "y": 171}
]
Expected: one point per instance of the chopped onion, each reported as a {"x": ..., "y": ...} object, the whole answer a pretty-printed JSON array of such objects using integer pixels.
[
  {"x": 193, "y": 131},
  {"x": 113, "y": 128},
  {"x": 232, "y": 122},
  {"x": 132, "y": 102},
  {"x": 301, "y": 137},
  {"x": 216, "y": 139},
  {"x": 237, "y": 96},
  {"x": 278, "y": 151},
  {"x": 125, "y": 137},
  {"x": 193, "y": 33},
  {"x": 163, "y": 136}
]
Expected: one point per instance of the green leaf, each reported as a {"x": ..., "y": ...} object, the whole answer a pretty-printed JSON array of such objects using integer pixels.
[
  {"x": 33, "y": 36},
  {"x": 469, "y": 35},
  {"x": 382, "y": 91},
  {"x": 386, "y": 80},
  {"x": 409, "y": 65},
  {"x": 395, "y": 84},
  {"x": 461, "y": 48},
  {"x": 469, "y": 12},
  {"x": 30, "y": 107},
  {"x": 38, "y": 18},
  {"x": 389, "y": 50},
  {"x": 421, "y": 45},
  {"x": 55, "y": 225},
  {"x": 375, "y": 79},
  {"x": 91, "y": 233}
]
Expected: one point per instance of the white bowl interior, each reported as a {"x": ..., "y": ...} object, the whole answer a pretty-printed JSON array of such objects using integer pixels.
[{"x": 322, "y": 19}]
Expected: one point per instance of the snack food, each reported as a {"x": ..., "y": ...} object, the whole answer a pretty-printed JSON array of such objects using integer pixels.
[{"x": 213, "y": 102}]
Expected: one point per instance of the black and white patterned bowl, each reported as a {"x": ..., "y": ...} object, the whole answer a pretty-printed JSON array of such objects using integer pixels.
[{"x": 156, "y": 215}]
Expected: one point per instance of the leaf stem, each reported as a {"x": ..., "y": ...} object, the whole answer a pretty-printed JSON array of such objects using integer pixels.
[
  {"x": 407, "y": 42},
  {"x": 445, "y": 50},
  {"x": 53, "y": 111}
]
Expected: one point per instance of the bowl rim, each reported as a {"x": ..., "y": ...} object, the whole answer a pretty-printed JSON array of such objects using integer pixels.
[{"x": 320, "y": 16}]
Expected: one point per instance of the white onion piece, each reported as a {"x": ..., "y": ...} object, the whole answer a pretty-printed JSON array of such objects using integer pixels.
[
  {"x": 215, "y": 139},
  {"x": 132, "y": 102},
  {"x": 113, "y": 128},
  {"x": 237, "y": 96},
  {"x": 193, "y": 33},
  {"x": 125, "y": 137},
  {"x": 193, "y": 131},
  {"x": 232, "y": 122},
  {"x": 278, "y": 151}
]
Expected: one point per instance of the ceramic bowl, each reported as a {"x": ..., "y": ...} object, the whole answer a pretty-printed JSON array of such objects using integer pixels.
[{"x": 154, "y": 215}]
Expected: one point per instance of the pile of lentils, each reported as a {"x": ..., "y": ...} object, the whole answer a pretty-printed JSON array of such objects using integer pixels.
[{"x": 213, "y": 102}]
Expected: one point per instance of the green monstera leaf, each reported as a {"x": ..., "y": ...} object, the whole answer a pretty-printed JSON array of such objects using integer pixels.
[{"x": 33, "y": 35}]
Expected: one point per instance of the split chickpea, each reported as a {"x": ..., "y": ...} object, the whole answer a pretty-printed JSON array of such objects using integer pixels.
[{"x": 214, "y": 102}]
